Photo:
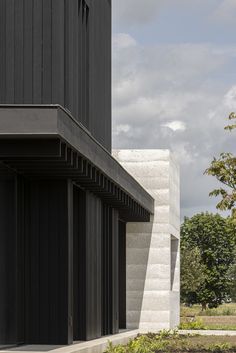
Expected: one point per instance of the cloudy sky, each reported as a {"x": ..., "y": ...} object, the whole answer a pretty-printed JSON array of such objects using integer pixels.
[{"x": 174, "y": 84}]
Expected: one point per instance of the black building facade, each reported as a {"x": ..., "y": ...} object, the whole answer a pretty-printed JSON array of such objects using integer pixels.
[{"x": 64, "y": 201}]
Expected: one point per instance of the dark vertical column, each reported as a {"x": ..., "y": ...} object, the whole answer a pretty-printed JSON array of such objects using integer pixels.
[
  {"x": 49, "y": 263},
  {"x": 87, "y": 266},
  {"x": 21, "y": 197},
  {"x": 110, "y": 274},
  {"x": 79, "y": 265},
  {"x": 8, "y": 260},
  {"x": 122, "y": 275},
  {"x": 115, "y": 272},
  {"x": 93, "y": 266}
]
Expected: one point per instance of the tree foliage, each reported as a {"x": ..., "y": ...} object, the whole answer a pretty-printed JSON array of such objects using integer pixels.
[
  {"x": 224, "y": 169},
  {"x": 214, "y": 237},
  {"x": 192, "y": 273}
]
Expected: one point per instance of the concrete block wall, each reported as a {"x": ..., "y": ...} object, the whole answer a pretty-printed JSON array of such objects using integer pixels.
[{"x": 153, "y": 248}]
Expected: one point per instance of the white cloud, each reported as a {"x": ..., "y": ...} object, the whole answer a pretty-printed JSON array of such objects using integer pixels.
[
  {"x": 123, "y": 40},
  {"x": 225, "y": 12},
  {"x": 121, "y": 129},
  {"x": 162, "y": 89},
  {"x": 175, "y": 125},
  {"x": 230, "y": 98},
  {"x": 137, "y": 11}
]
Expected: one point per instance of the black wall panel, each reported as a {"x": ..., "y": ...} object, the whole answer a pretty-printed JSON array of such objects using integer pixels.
[
  {"x": 79, "y": 265},
  {"x": 110, "y": 279},
  {"x": 49, "y": 263},
  {"x": 122, "y": 275},
  {"x": 93, "y": 266},
  {"x": 8, "y": 261},
  {"x": 87, "y": 266},
  {"x": 59, "y": 51}
]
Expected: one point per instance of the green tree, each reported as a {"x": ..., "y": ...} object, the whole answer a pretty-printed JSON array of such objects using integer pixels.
[
  {"x": 192, "y": 273},
  {"x": 232, "y": 276},
  {"x": 224, "y": 169},
  {"x": 213, "y": 235}
]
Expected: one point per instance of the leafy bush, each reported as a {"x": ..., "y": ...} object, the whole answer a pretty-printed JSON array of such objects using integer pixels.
[
  {"x": 194, "y": 324},
  {"x": 218, "y": 348},
  {"x": 170, "y": 341}
]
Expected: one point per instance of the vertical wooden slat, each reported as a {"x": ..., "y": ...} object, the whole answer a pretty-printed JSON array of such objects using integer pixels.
[
  {"x": 28, "y": 51},
  {"x": 47, "y": 52},
  {"x": 58, "y": 47},
  {"x": 3, "y": 51},
  {"x": 44, "y": 270},
  {"x": 122, "y": 275},
  {"x": 19, "y": 52},
  {"x": 37, "y": 50},
  {"x": 75, "y": 58},
  {"x": 93, "y": 267},
  {"x": 10, "y": 51},
  {"x": 8, "y": 262},
  {"x": 80, "y": 61},
  {"x": 69, "y": 101},
  {"x": 115, "y": 272}
]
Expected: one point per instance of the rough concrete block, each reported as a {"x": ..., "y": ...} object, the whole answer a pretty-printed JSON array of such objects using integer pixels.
[{"x": 153, "y": 248}]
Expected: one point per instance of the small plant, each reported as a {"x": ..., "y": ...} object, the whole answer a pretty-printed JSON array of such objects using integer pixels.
[
  {"x": 219, "y": 348},
  {"x": 168, "y": 341},
  {"x": 228, "y": 312},
  {"x": 194, "y": 324}
]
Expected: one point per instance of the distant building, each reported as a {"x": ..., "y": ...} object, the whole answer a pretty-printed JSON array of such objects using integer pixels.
[{"x": 64, "y": 200}]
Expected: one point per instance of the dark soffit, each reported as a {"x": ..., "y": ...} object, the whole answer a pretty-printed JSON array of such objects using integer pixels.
[{"x": 45, "y": 122}]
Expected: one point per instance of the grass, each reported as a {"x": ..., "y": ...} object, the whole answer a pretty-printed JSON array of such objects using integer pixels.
[
  {"x": 222, "y": 318},
  {"x": 172, "y": 342},
  {"x": 222, "y": 310}
]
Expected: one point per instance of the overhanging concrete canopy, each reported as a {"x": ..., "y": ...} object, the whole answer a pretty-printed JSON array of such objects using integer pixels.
[{"x": 45, "y": 141}]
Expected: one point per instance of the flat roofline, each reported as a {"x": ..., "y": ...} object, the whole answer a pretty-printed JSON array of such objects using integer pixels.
[{"x": 47, "y": 120}]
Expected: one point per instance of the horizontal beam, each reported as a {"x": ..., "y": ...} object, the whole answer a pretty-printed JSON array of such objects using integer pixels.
[{"x": 70, "y": 152}]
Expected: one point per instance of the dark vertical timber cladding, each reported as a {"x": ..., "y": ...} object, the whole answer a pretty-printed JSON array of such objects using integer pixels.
[
  {"x": 37, "y": 50},
  {"x": 21, "y": 196},
  {"x": 122, "y": 275},
  {"x": 8, "y": 261},
  {"x": 110, "y": 253},
  {"x": 58, "y": 59},
  {"x": 10, "y": 51},
  {"x": 115, "y": 272},
  {"x": 100, "y": 71},
  {"x": 28, "y": 52},
  {"x": 49, "y": 283},
  {"x": 69, "y": 32},
  {"x": 59, "y": 51},
  {"x": 76, "y": 58},
  {"x": 19, "y": 51},
  {"x": 47, "y": 52},
  {"x": 80, "y": 62},
  {"x": 79, "y": 265},
  {"x": 93, "y": 266},
  {"x": 2, "y": 51}
]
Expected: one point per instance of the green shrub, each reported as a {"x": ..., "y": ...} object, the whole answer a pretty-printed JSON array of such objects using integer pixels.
[
  {"x": 169, "y": 341},
  {"x": 219, "y": 348},
  {"x": 195, "y": 324}
]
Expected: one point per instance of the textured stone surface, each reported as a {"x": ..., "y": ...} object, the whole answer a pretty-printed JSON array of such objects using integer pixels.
[{"x": 153, "y": 248}]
